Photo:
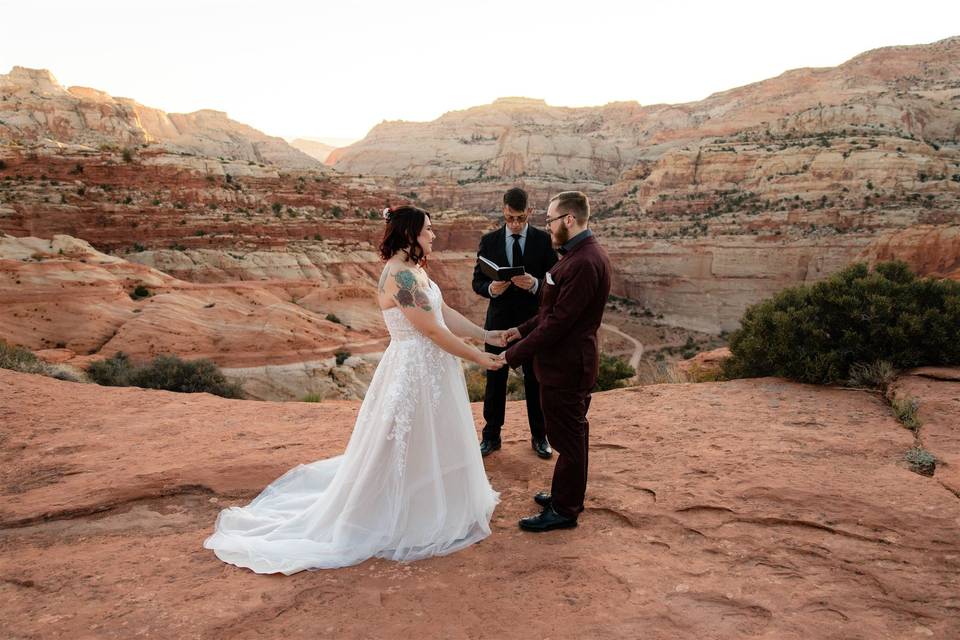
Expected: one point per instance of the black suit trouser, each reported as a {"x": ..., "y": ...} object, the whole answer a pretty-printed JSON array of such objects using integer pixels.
[
  {"x": 565, "y": 411},
  {"x": 495, "y": 399}
]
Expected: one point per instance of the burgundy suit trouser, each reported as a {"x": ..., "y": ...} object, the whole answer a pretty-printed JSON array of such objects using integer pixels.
[{"x": 565, "y": 417}]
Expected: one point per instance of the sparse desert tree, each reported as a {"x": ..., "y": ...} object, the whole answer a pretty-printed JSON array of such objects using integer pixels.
[{"x": 817, "y": 333}]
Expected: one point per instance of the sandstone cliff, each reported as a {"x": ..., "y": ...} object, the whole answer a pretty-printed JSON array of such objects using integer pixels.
[
  {"x": 35, "y": 107},
  {"x": 711, "y": 206},
  {"x": 912, "y": 89},
  {"x": 278, "y": 337},
  {"x": 706, "y": 207},
  {"x": 240, "y": 237}
]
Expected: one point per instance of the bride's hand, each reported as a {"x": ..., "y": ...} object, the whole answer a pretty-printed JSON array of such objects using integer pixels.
[
  {"x": 496, "y": 338},
  {"x": 490, "y": 361}
]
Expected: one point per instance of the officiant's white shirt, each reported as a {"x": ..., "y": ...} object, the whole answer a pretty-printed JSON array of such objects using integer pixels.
[{"x": 509, "y": 248}]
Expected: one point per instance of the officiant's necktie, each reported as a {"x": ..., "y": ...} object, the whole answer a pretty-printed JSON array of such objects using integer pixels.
[{"x": 517, "y": 253}]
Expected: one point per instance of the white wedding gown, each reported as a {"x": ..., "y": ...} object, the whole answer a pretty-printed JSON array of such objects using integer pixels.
[{"x": 410, "y": 485}]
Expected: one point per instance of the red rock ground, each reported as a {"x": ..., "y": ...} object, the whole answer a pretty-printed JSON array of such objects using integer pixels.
[{"x": 746, "y": 509}]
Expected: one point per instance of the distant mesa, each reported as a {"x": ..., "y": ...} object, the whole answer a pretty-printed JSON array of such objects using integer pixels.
[
  {"x": 912, "y": 89},
  {"x": 313, "y": 148},
  {"x": 520, "y": 101},
  {"x": 36, "y": 107}
]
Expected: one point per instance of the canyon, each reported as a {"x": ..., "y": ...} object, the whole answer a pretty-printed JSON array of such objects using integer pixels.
[
  {"x": 705, "y": 209},
  {"x": 754, "y": 507},
  {"x": 713, "y": 205}
]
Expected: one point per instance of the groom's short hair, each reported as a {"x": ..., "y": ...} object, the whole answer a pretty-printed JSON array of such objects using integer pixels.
[
  {"x": 574, "y": 203},
  {"x": 516, "y": 199}
]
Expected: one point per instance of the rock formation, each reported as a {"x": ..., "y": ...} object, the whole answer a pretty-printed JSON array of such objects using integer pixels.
[
  {"x": 63, "y": 295},
  {"x": 910, "y": 89},
  {"x": 313, "y": 148},
  {"x": 754, "y": 508},
  {"x": 711, "y": 206},
  {"x": 34, "y": 106},
  {"x": 207, "y": 232},
  {"x": 706, "y": 207}
]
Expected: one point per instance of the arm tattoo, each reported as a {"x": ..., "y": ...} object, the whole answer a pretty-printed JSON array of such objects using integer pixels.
[{"x": 410, "y": 294}]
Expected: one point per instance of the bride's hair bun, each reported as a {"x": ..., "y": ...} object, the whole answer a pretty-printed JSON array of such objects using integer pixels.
[{"x": 404, "y": 224}]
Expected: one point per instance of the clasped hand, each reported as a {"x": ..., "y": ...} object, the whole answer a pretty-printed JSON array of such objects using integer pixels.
[
  {"x": 497, "y": 338},
  {"x": 502, "y": 337}
]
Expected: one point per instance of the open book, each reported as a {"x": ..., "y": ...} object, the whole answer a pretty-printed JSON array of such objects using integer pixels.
[{"x": 494, "y": 272}]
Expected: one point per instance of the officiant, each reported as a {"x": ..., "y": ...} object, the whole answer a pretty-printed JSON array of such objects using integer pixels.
[{"x": 513, "y": 301}]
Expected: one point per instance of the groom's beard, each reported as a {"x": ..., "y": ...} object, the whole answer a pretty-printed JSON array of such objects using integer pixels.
[{"x": 560, "y": 237}]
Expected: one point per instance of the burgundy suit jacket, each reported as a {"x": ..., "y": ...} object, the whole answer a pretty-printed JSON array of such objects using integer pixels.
[{"x": 562, "y": 338}]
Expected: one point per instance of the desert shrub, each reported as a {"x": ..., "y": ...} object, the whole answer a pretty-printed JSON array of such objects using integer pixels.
[
  {"x": 22, "y": 360},
  {"x": 312, "y": 397},
  {"x": 341, "y": 357},
  {"x": 875, "y": 375},
  {"x": 332, "y": 317},
  {"x": 921, "y": 461},
  {"x": 166, "y": 372},
  {"x": 476, "y": 379},
  {"x": 816, "y": 333},
  {"x": 140, "y": 291},
  {"x": 700, "y": 373},
  {"x": 905, "y": 410},
  {"x": 613, "y": 374},
  {"x": 660, "y": 372},
  {"x": 112, "y": 372}
]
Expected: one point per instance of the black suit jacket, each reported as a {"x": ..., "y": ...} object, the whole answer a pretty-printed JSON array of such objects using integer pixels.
[
  {"x": 562, "y": 338},
  {"x": 514, "y": 305}
]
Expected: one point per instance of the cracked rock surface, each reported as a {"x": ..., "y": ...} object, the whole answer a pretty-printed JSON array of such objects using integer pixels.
[{"x": 747, "y": 509}]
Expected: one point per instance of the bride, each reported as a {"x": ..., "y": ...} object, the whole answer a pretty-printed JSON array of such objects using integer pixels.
[{"x": 411, "y": 483}]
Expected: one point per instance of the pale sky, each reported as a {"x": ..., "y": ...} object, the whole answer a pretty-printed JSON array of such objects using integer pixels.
[{"x": 335, "y": 69}]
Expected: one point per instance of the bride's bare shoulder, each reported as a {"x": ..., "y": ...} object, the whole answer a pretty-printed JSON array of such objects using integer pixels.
[{"x": 403, "y": 285}]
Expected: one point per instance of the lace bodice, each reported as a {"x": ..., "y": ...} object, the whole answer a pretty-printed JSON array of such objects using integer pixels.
[
  {"x": 416, "y": 357},
  {"x": 398, "y": 325}
]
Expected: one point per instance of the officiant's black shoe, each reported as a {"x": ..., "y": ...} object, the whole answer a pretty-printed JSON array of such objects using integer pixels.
[
  {"x": 542, "y": 448},
  {"x": 543, "y": 499},
  {"x": 488, "y": 446},
  {"x": 548, "y": 520}
]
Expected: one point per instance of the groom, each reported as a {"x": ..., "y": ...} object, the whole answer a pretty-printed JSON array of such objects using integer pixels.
[{"x": 562, "y": 342}]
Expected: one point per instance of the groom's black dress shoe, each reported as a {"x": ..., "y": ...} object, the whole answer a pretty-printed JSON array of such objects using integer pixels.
[
  {"x": 547, "y": 521},
  {"x": 488, "y": 446},
  {"x": 542, "y": 448},
  {"x": 544, "y": 499}
]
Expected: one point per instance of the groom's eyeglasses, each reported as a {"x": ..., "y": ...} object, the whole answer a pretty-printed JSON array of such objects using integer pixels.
[{"x": 516, "y": 219}]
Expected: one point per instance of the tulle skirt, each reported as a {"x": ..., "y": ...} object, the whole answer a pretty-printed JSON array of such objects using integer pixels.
[{"x": 410, "y": 485}]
